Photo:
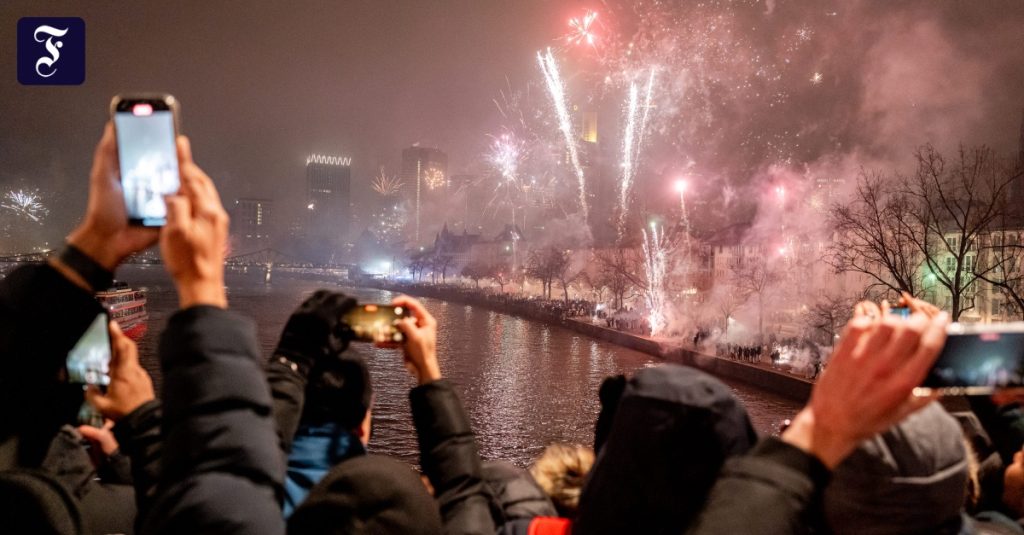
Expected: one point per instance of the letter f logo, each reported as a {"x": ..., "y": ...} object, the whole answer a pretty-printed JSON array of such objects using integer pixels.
[{"x": 51, "y": 51}]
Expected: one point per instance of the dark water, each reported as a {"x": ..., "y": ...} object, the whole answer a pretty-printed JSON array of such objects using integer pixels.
[{"x": 525, "y": 384}]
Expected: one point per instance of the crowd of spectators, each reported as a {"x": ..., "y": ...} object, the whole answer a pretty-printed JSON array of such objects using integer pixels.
[{"x": 237, "y": 442}]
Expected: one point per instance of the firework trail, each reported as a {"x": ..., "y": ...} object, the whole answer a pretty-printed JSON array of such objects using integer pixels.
[
  {"x": 553, "y": 79},
  {"x": 636, "y": 127},
  {"x": 387, "y": 185},
  {"x": 655, "y": 263},
  {"x": 25, "y": 204}
]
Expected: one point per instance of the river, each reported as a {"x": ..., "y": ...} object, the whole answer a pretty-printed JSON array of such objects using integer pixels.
[{"x": 525, "y": 384}]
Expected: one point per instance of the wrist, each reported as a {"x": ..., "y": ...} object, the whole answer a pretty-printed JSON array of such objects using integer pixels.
[
  {"x": 94, "y": 246},
  {"x": 809, "y": 435},
  {"x": 210, "y": 293},
  {"x": 430, "y": 372}
]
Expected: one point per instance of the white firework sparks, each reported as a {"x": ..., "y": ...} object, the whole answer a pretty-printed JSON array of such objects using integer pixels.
[
  {"x": 25, "y": 204},
  {"x": 581, "y": 31},
  {"x": 816, "y": 78},
  {"x": 655, "y": 267},
  {"x": 387, "y": 185},
  {"x": 556, "y": 89},
  {"x": 636, "y": 126},
  {"x": 506, "y": 153}
]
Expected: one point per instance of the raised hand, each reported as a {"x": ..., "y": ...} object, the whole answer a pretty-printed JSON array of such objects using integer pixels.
[
  {"x": 420, "y": 346},
  {"x": 130, "y": 386},
  {"x": 867, "y": 385},
  {"x": 105, "y": 235},
  {"x": 194, "y": 241}
]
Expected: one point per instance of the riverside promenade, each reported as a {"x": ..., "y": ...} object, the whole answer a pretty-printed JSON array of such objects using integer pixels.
[{"x": 669, "y": 350}]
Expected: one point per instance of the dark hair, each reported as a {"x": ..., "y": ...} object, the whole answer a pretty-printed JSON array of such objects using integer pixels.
[{"x": 338, "y": 391}]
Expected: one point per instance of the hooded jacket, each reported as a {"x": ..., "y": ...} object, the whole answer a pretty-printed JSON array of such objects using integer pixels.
[{"x": 672, "y": 430}]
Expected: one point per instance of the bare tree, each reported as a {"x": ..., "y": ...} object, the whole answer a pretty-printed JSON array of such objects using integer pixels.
[
  {"x": 500, "y": 275},
  {"x": 828, "y": 314},
  {"x": 874, "y": 235},
  {"x": 547, "y": 265},
  {"x": 755, "y": 277},
  {"x": 1003, "y": 249},
  {"x": 620, "y": 271},
  {"x": 956, "y": 205},
  {"x": 727, "y": 299},
  {"x": 475, "y": 271}
]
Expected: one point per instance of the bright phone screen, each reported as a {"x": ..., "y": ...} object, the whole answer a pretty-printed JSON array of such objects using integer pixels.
[
  {"x": 149, "y": 162},
  {"x": 89, "y": 361},
  {"x": 989, "y": 359}
]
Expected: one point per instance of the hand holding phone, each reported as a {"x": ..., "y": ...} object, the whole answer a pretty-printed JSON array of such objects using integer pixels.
[{"x": 147, "y": 127}]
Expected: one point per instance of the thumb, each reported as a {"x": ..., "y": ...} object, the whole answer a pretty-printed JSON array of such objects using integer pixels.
[
  {"x": 90, "y": 433},
  {"x": 98, "y": 400}
]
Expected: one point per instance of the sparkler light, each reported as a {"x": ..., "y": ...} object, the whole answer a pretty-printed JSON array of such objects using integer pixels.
[
  {"x": 556, "y": 89},
  {"x": 581, "y": 31},
  {"x": 25, "y": 204},
  {"x": 636, "y": 126},
  {"x": 655, "y": 264},
  {"x": 387, "y": 185}
]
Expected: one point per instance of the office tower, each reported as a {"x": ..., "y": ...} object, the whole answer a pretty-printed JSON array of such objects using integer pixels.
[
  {"x": 328, "y": 183},
  {"x": 425, "y": 173}
]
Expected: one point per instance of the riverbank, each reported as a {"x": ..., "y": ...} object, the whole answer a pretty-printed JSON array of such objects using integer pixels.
[{"x": 779, "y": 383}]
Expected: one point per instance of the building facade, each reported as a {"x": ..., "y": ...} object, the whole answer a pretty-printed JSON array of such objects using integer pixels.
[{"x": 328, "y": 187}]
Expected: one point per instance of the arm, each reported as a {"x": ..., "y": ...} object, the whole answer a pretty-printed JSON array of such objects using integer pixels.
[
  {"x": 775, "y": 483},
  {"x": 448, "y": 451},
  {"x": 449, "y": 457},
  {"x": 865, "y": 390},
  {"x": 222, "y": 469}
]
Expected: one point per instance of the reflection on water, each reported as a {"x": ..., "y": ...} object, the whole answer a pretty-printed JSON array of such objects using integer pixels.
[{"x": 525, "y": 384}]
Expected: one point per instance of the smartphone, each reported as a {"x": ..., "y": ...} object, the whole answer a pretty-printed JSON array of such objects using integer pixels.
[
  {"x": 903, "y": 312},
  {"x": 147, "y": 126},
  {"x": 978, "y": 360},
  {"x": 88, "y": 363},
  {"x": 376, "y": 323}
]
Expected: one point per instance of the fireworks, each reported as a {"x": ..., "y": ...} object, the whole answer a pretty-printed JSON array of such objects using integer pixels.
[
  {"x": 434, "y": 178},
  {"x": 581, "y": 29},
  {"x": 387, "y": 185},
  {"x": 25, "y": 204},
  {"x": 655, "y": 267},
  {"x": 816, "y": 78},
  {"x": 636, "y": 126},
  {"x": 506, "y": 152},
  {"x": 553, "y": 79}
]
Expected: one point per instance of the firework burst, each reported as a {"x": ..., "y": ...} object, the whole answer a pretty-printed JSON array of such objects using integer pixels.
[
  {"x": 387, "y": 185},
  {"x": 506, "y": 155},
  {"x": 636, "y": 128},
  {"x": 25, "y": 204},
  {"x": 434, "y": 178},
  {"x": 581, "y": 29},
  {"x": 655, "y": 268}
]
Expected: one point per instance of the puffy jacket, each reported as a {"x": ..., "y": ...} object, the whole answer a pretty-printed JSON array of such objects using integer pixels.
[
  {"x": 221, "y": 468},
  {"x": 449, "y": 457},
  {"x": 315, "y": 450}
]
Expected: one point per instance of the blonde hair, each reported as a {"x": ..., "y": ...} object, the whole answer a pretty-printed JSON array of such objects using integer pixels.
[{"x": 561, "y": 471}]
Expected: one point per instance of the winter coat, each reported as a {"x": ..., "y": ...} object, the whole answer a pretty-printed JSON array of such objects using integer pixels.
[
  {"x": 221, "y": 467},
  {"x": 672, "y": 430},
  {"x": 449, "y": 457},
  {"x": 516, "y": 494}
]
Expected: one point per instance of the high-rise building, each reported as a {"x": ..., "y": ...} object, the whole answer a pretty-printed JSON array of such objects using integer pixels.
[
  {"x": 250, "y": 223},
  {"x": 424, "y": 173},
  {"x": 328, "y": 184}
]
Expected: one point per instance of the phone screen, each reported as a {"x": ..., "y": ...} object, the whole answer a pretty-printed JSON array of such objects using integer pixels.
[
  {"x": 375, "y": 323},
  {"x": 979, "y": 363},
  {"x": 149, "y": 161},
  {"x": 89, "y": 361}
]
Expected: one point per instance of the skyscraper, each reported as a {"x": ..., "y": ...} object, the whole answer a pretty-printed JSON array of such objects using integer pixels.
[
  {"x": 328, "y": 181},
  {"x": 250, "y": 223},
  {"x": 424, "y": 172}
]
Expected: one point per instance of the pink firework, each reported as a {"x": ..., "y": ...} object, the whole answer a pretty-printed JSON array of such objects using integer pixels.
[{"x": 581, "y": 29}]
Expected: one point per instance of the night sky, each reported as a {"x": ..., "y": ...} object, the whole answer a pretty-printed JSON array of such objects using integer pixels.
[{"x": 744, "y": 87}]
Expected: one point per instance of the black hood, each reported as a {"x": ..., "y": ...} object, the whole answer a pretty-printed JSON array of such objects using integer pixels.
[{"x": 673, "y": 429}]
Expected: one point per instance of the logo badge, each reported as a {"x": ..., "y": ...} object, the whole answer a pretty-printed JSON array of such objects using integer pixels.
[{"x": 51, "y": 51}]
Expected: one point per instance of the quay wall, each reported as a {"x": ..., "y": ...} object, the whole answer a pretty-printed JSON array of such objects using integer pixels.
[{"x": 779, "y": 383}]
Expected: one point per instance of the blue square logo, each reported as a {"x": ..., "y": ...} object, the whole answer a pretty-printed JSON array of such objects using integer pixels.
[{"x": 51, "y": 51}]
